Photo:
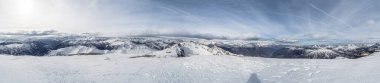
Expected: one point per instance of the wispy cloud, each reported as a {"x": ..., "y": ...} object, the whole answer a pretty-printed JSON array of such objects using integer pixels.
[{"x": 296, "y": 19}]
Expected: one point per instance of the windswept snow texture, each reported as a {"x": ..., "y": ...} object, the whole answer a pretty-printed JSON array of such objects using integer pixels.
[
  {"x": 177, "y": 47},
  {"x": 195, "y": 69}
]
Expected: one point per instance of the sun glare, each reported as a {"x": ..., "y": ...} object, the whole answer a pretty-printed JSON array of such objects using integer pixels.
[
  {"x": 25, "y": 7},
  {"x": 27, "y": 14}
]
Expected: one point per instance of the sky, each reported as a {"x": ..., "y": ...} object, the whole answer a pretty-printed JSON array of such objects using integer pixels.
[{"x": 277, "y": 19}]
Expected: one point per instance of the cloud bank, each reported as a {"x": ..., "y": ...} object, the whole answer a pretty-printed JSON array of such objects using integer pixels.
[{"x": 32, "y": 33}]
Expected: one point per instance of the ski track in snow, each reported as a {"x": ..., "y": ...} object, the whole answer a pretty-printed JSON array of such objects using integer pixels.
[{"x": 194, "y": 69}]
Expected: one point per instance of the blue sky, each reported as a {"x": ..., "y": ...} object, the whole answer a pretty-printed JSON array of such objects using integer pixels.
[{"x": 293, "y": 19}]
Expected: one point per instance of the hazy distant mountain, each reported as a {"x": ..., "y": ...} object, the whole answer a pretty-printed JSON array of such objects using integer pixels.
[{"x": 161, "y": 46}]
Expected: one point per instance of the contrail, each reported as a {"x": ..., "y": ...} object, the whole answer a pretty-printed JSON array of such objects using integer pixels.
[{"x": 331, "y": 16}]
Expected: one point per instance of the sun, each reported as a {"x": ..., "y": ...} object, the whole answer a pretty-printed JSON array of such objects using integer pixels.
[
  {"x": 25, "y": 7},
  {"x": 27, "y": 15}
]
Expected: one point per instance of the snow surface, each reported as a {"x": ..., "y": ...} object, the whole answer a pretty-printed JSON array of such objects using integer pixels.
[
  {"x": 322, "y": 52},
  {"x": 77, "y": 50},
  {"x": 189, "y": 49},
  {"x": 116, "y": 68}
]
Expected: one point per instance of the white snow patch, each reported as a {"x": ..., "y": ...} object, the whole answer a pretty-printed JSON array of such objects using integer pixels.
[
  {"x": 77, "y": 50},
  {"x": 189, "y": 49},
  {"x": 14, "y": 45}
]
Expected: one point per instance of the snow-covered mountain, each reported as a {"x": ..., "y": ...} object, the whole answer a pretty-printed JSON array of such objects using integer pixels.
[
  {"x": 176, "y": 47},
  {"x": 321, "y": 53},
  {"x": 186, "y": 49},
  {"x": 120, "y": 59}
]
